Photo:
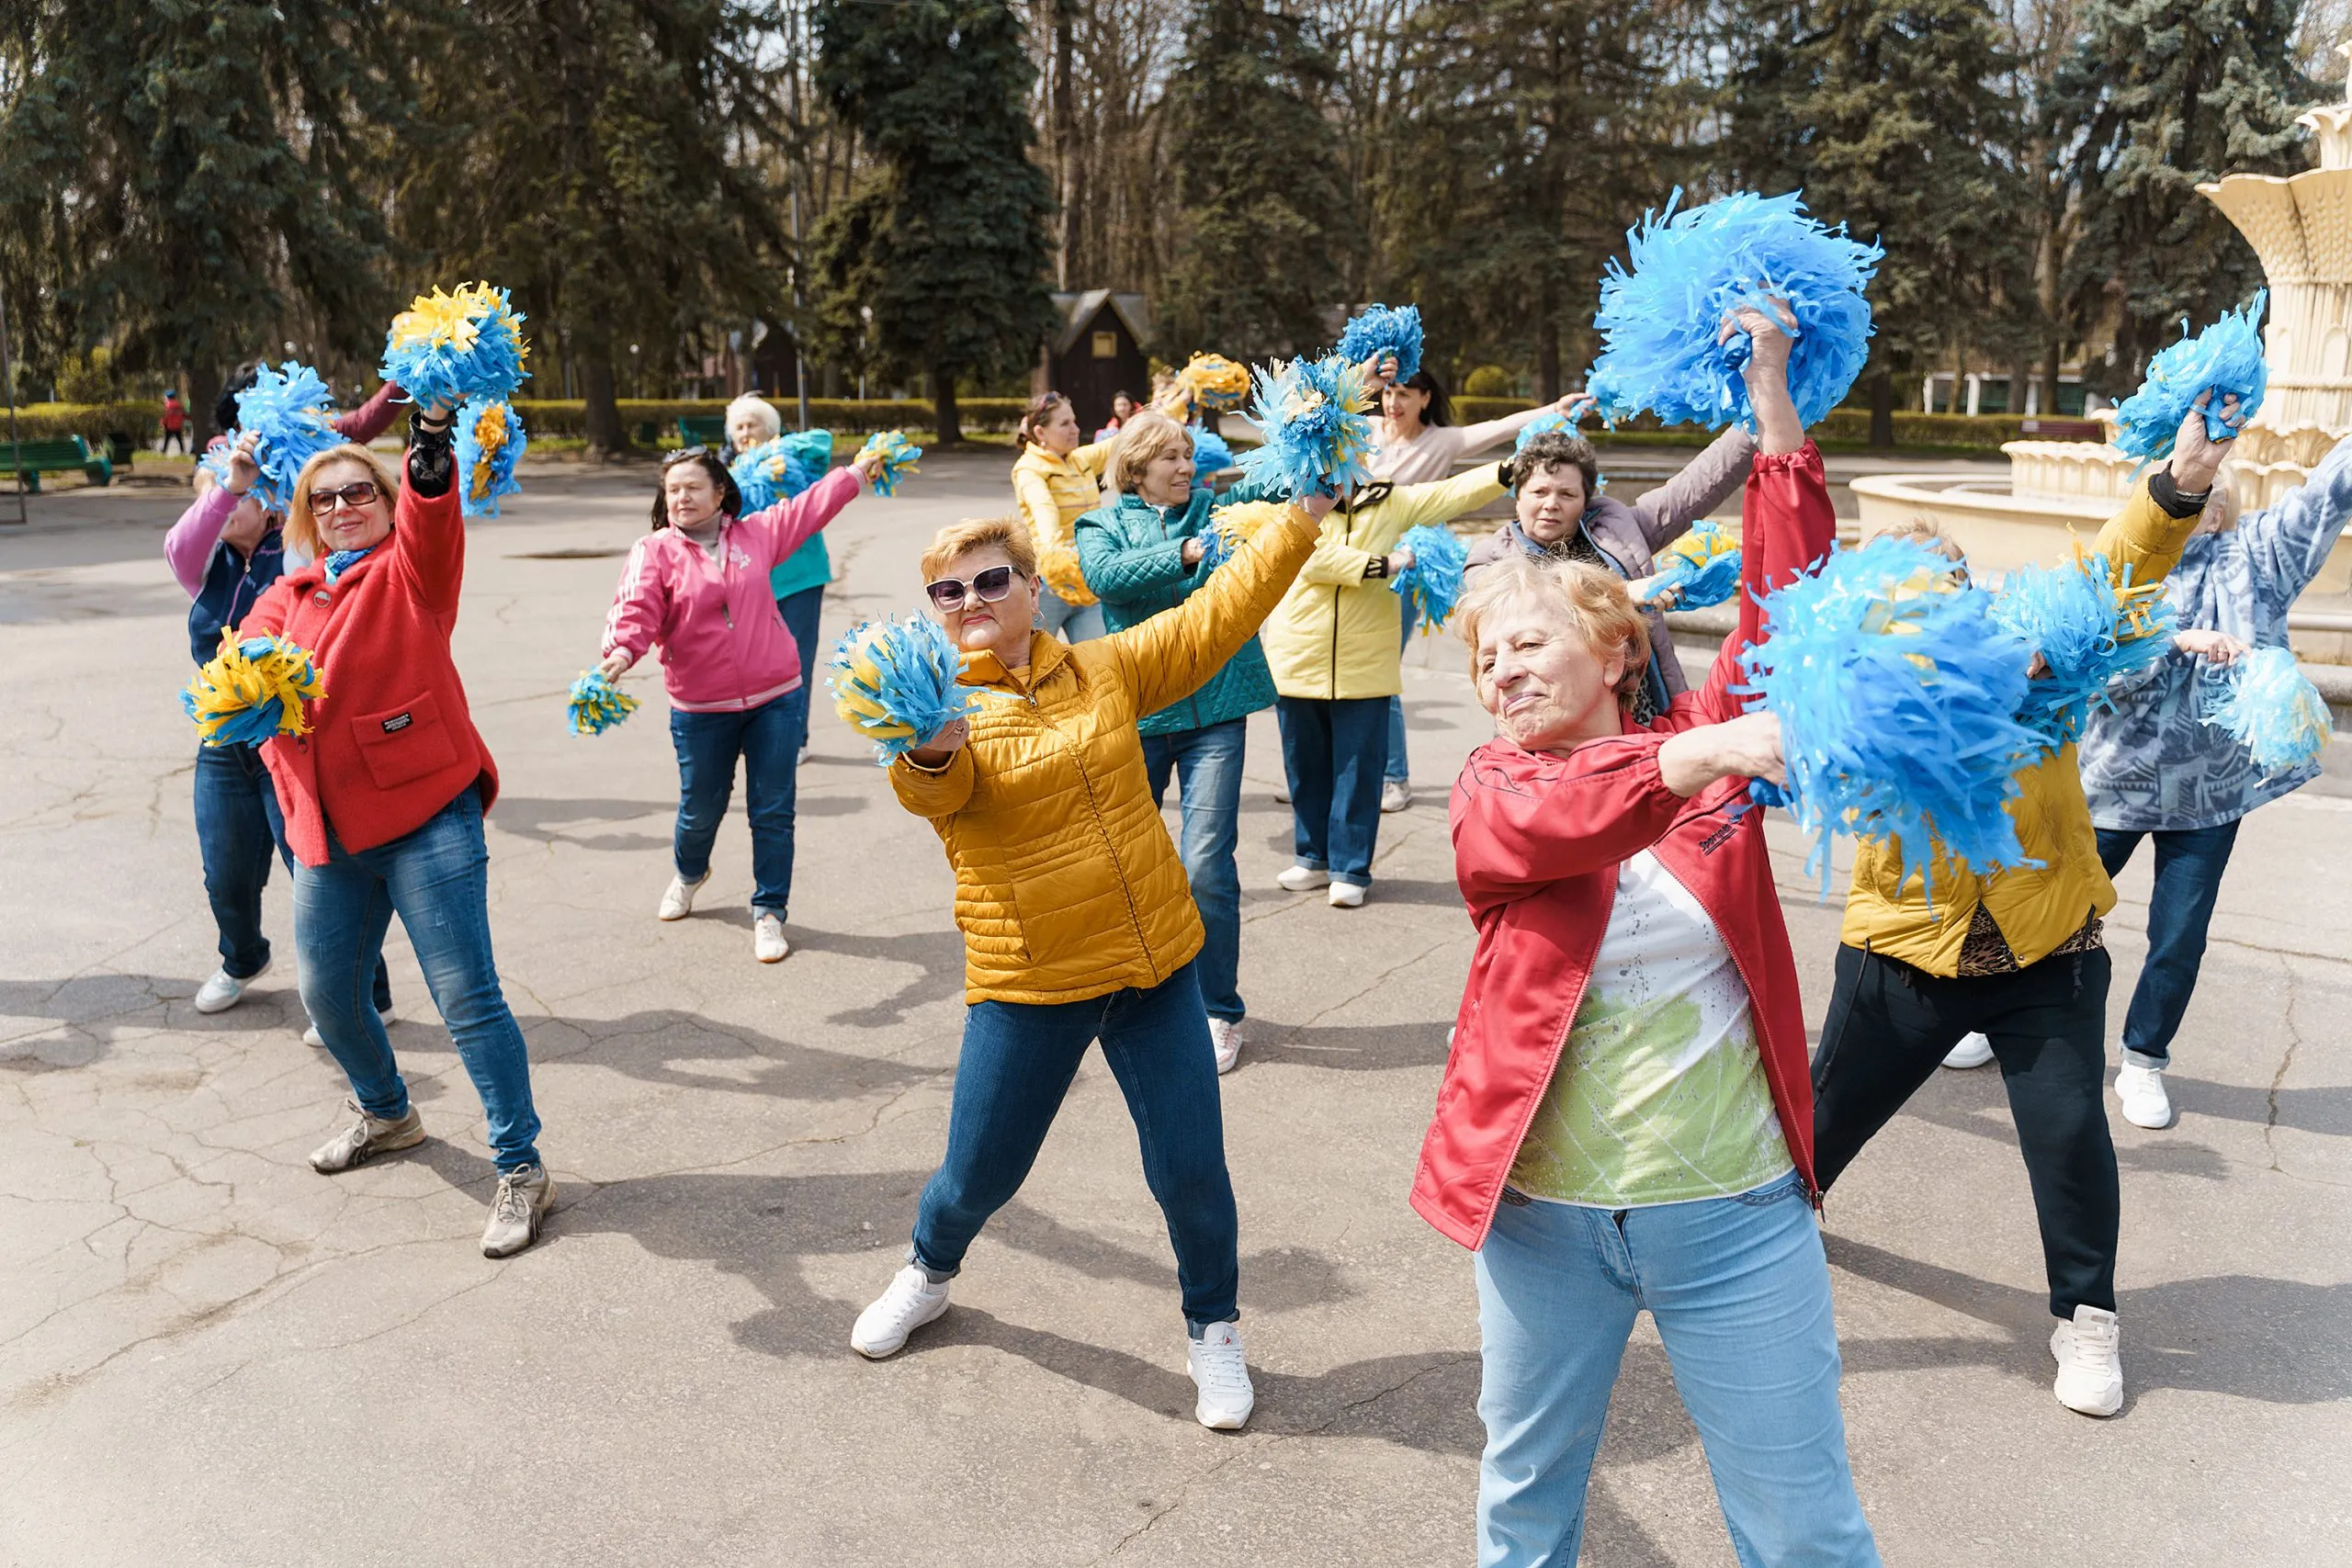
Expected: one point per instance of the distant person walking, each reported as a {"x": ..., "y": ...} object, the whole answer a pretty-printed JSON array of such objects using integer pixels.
[{"x": 174, "y": 422}]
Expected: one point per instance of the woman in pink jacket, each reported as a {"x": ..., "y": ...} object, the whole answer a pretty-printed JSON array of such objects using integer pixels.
[{"x": 698, "y": 585}]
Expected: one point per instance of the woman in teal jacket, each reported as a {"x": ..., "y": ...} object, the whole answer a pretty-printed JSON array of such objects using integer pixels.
[{"x": 1142, "y": 553}]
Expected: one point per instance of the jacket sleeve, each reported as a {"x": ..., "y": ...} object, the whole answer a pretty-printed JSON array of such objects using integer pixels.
[
  {"x": 1091, "y": 458},
  {"x": 2144, "y": 537},
  {"x": 1377, "y": 528},
  {"x": 1517, "y": 831},
  {"x": 372, "y": 418},
  {"x": 267, "y": 617},
  {"x": 788, "y": 524},
  {"x": 187, "y": 548},
  {"x": 1171, "y": 656},
  {"x": 1120, "y": 573},
  {"x": 429, "y": 541},
  {"x": 934, "y": 793},
  {"x": 1038, "y": 508},
  {"x": 2290, "y": 540},
  {"x": 1488, "y": 551},
  {"x": 1789, "y": 526},
  {"x": 641, "y": 604},
  {"x": 1705, "y": 482}
]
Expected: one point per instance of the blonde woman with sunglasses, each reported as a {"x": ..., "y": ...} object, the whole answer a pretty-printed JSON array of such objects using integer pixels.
[{"x": 1078, "y": 925}]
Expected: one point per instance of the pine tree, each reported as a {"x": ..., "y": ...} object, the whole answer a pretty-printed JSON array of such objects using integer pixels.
[
  {"x": 1258, "y": 188},
  {"x": 946, "y": 242},
  {"x": 2167, "y": 94},
  {"x": 183, "y": 181}
]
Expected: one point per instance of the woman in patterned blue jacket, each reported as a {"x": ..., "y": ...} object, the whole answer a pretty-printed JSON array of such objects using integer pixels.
[{"x": 2153, "y": 767}]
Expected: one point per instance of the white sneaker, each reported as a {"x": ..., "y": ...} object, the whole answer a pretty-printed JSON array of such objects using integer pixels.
[
  {"x": 912, "y": 1301},
  {"x": 1303, "y": 878},
  {"x": 1224, "y": 1038},
  {"x": 678, "y": 898},
  {"x": 224, "y": 990},
  {"x": 1395, "y": 795},
  {"x": 1973, "y": 1051},
  {"x": 1345, "y": 896},
  {"x": 1223, "y": 1377},
  {"x": 312, "y": 1037},
  {"x": 2089, "y": 1352},
  {"x": 767, "y": 937},
  {"x": 2142, "y": 1091}
]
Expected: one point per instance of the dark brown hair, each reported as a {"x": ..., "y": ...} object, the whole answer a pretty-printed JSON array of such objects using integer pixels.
[
  {"x": 730, "y": 495},
  {"x": 1557, "y": 449}
]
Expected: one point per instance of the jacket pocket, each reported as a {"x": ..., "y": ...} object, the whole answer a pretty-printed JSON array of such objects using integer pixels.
[{"x": 405, "y": 743}]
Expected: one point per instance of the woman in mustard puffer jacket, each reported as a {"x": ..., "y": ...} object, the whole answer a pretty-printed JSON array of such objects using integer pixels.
[{"x": 1078, "y": 924}]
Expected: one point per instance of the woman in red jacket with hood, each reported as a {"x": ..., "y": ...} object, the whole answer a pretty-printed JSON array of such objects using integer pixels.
[
  {"x": 1626, "y": 1121},
  {"x": 383, "y": 802}
]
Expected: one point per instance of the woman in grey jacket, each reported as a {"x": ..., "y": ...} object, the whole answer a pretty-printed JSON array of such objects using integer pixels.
[{"x": 2151, "y": 766}]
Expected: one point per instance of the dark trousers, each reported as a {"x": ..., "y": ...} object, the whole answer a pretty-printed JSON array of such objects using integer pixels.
[
  {"x": 1334, "y": 754},
  {"x": 1888, "y": 1028},
  {"x": 170, "y": 436},
  {"x": 767, "y": 738},
  {"x": 801, "y": 613},
  {"x": 2188, "y": 878}
]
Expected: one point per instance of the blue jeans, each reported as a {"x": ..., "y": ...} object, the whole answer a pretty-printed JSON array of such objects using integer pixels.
[
  {"x": 1017, "y": 1063},
  {"x": 437, "y": 879},
  {"x": 1207, "y": 763},
  {"x": 1740, "y": 1292},
  {"x": 1333, "y": 752},
  {"x": 237, "y": 830},
  {"x": 801, "y": 613},
  {"x": 2189, "y": 879},
  {"x": 1399, "y": 770},
  {"x": 767, "y": 738},
  {"x": 1077, "y": 623}
]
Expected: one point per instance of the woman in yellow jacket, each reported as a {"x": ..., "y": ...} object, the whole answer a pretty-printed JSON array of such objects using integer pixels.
[
  {"x": 2019, "y": 957},
  {"x": 1078, "y": 923},
  {"x": 1334, "y": 645},
  {"x": 1057, "y": 480}
]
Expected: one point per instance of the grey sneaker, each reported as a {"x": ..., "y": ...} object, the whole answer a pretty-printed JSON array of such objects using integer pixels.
[
  {"x": 365, "y": 1138},
  {"x": 524, "y": 1198}
]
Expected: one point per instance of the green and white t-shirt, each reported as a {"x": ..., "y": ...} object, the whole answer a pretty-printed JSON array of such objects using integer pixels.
[{"x": 1659, "y": 1097}]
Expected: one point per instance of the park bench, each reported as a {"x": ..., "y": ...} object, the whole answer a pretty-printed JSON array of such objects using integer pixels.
[
  {"x": 58, "y": 455},
  {"x": 703, "y": 430}
]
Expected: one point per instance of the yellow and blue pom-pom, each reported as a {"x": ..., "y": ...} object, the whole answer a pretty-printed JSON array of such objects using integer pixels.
[
  {"x": 1383, "y": 330},
  {"x": 2087, "y": 632},
  {"x": 2267, "y": 705},
  {"x": 253, "y": 690},
  {"x": 1230, "y": 527},
  {"x": 287, "y": 409},
  {"x": 1312, "y": 417},
  {"x": 1896, "y": 689},
  {"x": 898, "y": 458},
  {"x": 1210, "y": 452},
  {"x": 596, "y": 703},
  {"x": 1433, "y": 582},
  {"x": 448, "y": 348},
  {"x": 1702, "y": 567},
  {"x": 2225, "y": 357},
  {"x": 491, "y": 441},
  {"x": 1215, "y": 382},
  {"x": 895, "y": 683},
  {"x": 781, "y": 467},
  {"x": 1659, "y": 319}
]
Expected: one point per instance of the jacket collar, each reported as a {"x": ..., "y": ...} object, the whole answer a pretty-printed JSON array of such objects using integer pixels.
[{"x": 1047, "y": 653}]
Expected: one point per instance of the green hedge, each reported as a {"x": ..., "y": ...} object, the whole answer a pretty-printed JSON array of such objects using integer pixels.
[
  {"x": 851, "y": 416},
  {"x": 137, "y": 421},
  {"x": 1852, "y": 426}
]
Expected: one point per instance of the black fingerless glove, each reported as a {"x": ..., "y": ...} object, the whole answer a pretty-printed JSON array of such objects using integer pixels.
[
  {"x": 432, "y": 457},
  {"x": 2169, "y": 496}
]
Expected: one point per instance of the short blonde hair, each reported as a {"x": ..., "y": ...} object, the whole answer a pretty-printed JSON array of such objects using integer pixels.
[
  {"x": 1592, "y": 602},
  {"x": 1009, "y": 534},
  {"x": 301, "y": 530},
  {"x": 1922, "y": 529},
  {"x": 760, "y": 408},
  {"x": 1144, "y": 440}
]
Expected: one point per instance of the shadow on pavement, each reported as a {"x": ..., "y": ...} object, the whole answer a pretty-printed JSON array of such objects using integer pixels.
[{"x": 645, "y": 1045}]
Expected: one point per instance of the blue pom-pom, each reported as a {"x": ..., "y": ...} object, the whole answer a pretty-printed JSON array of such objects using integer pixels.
[
  {"x": 1702, "y": 567},
  {"x": 898, "y": 458},
  {"x": 1659, "y": 319},
  {"x": 2087, "y": 633},
  {"x": 2225, "y": 357},
  {"x": 1380, "y": 330},
  {"x": 895, "y": 680},
  {"x": 491, "y": 441},
  {"x": 1433, "y": 582},
  {"x": 2270, "y": 708},
  {"x": 596, "y": 703},
  {"x": 1312, "y": 417},
  {"x": 1896, "y": 689},
  {"x": 1210, "y": 454},
  {"x": 1551, "y": 422},
  {"x": 288, "y": 410},
  {"x": 781, "y": 467},
  {"x": 448, "y": 348}
]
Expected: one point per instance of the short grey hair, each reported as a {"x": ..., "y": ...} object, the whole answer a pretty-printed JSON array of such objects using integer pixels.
[{"x": 760, "y": 408}]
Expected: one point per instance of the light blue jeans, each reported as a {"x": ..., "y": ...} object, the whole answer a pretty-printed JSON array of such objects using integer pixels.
[
  {"x": 1399, "y": 770},
  {"x": 1077, "y": 623},
  {"x": 1207, "y": 764},
  {"x": 1740, "y": 1292}
]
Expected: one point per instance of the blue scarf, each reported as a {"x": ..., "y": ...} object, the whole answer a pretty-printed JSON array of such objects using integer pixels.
[{"x": 341, "y": 561}]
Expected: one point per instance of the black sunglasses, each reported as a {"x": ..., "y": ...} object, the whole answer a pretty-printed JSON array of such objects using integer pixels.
[
  {"x": 683, "y": 455},
  {"x": 989, "y": 585},
  {"x": 326, "y": 502}
]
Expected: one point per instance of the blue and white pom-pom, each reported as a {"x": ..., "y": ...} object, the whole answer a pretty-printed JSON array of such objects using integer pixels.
[
  {"x": 1312, "y": 417},
  {"x": 1384, "y": 330},
  {"x": 2087, "y": 632},
  {"x": 596, "y": 703},
  {"x": 1660, "y": 320},
  {"x": 895, "y": 680},
  {"x": 781, "y": 467},
  {"x": 1433, "y": 582},
  {"x": 1210, "y": 454},
  {"x": 1895, "y": 690},
  {"x": 898, "y": 458},
  {"x": 1551, "y": 422},
  {"x": 288, "y": 411},
  {"x": 2267, "y": 705},
  {"x": 448, "y": 348},
  {"x": 491, "y": 441},
  {"x": 2225, "y": 357},
  {"x": 1702, "y": 568}
]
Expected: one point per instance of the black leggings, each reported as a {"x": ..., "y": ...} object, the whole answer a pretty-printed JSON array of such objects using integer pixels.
[{"x": 1888, "y": 1028}]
